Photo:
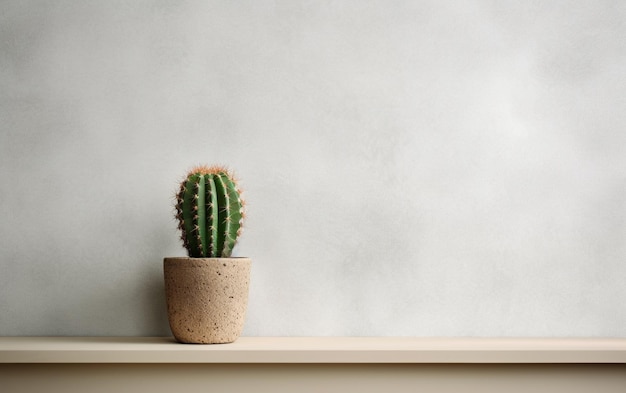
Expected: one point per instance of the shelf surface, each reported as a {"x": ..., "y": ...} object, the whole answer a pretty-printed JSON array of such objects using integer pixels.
[{"x": 313, "y": 350}]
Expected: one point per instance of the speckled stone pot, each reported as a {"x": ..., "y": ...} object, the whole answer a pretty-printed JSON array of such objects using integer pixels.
[{"x": 206, "y": 298}]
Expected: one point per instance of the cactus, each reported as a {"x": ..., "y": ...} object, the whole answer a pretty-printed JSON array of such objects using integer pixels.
[{"x": 210, "y": 212}]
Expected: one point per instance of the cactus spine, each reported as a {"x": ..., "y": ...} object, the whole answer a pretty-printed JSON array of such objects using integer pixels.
[{"x": 210, "y": 212}]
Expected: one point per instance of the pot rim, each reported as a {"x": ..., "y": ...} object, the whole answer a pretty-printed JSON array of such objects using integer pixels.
[{"x": 213, "y": 260}]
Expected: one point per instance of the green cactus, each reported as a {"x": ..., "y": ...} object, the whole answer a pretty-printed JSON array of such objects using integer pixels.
[{"x": 210, "y": 212}]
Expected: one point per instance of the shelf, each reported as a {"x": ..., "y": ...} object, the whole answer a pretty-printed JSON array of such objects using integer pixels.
[{"x": 327, "y": 350}]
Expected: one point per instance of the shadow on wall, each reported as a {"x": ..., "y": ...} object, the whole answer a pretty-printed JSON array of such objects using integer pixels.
[
  {"x": 129, "y": 305},
  {"x": 110, "y": 306},
  {"x": 128, "y": 299}
]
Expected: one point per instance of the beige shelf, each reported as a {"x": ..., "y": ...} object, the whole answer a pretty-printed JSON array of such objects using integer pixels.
[{"x": 373, "y": 350}]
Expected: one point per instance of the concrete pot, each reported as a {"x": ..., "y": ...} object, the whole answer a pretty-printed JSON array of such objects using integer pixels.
[{"x": 207, "y": 298}]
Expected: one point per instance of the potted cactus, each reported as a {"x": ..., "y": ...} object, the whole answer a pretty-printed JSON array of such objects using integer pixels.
[{"x": 207, "y": 292}]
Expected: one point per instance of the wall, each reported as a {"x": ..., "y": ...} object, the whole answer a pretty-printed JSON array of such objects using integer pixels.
[{"x": 411, "y": 168}]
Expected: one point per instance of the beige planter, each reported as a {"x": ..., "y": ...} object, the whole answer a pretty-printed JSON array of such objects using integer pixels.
[{"x": 206, "y": 298}]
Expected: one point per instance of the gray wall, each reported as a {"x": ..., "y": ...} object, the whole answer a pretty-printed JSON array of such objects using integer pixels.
[{"x": 411, "y": 167}]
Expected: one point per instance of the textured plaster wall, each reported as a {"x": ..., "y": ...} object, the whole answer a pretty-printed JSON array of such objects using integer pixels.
[{"x": 424, "y": 168}]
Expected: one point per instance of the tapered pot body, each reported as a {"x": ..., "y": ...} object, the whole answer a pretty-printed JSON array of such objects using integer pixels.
[{"x": 207, "y": 298}]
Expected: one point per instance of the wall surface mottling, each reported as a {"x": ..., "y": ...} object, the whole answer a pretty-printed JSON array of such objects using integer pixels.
[{"x": 424, "y": 168}]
